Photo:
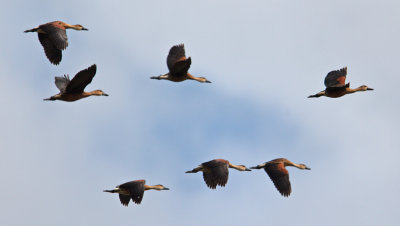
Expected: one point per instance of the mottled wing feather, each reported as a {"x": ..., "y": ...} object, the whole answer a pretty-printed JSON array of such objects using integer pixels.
[
  {"x": 136, "y": 190},
  {"x": 217, "y": 173},
  {"x": 176, "y": 53},
  {"x": 336, "y": 78},
  {"x": 52, "y": 53},
  {"x": 181, "y": 68},
  {"x": 81, "y": 80},
  {"x": 62, "y": 83},
  {"x": 124, "y": 199},
  {"x": 280, "y": 177},
  {"x": 57, "y": 35}
]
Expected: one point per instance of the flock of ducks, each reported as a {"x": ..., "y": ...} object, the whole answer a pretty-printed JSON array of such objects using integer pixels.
[{"x": 53, "y": 38}]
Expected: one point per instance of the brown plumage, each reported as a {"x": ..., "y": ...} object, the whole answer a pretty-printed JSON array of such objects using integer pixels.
[
  {"x": 72, "y": 90},
  {"x": 134, "y": 190},
  {"x": 178, "y": 66},
  {"x": 216, "y": 172},
  {"x": 53, "y": 38},
  {"x": 278, "y": 173},
  {"x": 335, "y": 82}
]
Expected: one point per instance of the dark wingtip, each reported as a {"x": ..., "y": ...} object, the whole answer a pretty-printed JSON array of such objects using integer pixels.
[{"x": 93, "y": 66}]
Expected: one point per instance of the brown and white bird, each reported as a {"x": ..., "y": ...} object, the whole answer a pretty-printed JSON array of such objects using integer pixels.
[
  {"x": 335, "y": 82},
  {"x": 53, "y": 37},
  {"x": 178, "y": 66},
  {"x": 278, "y": 173},
  {"x": 134, "y": 190},
  {"x": 216, "y": 172},
  {"x": 72, "y": 90}
]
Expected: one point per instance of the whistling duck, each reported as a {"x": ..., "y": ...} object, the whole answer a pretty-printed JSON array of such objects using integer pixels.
[
  {"x": 53, "y": 38},
  {"x": 178, "y": 66},
  {"x": 72, "y": 90},
  {"x": 135, "y": 190},
  {"x": 336, "y": 86},
  {"x": 278, "y": 173},
  {"x": 216, "y": 172}
]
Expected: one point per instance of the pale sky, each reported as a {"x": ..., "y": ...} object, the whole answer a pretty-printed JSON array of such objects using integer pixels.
[{"x": 263, "y": 58}]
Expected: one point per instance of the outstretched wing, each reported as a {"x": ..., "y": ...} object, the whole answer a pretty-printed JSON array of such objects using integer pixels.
[
  {"x": 181, "y": 68},
  {"x": 216, "y": 173},
  {"x": 81, "y": 80},
  {"x": 176, "y": 54},
  {"x": 124, "y": 199},
  {"x": 279, "y": 176},
  {"x": 62, "y": 83},
  {"x": 52, "y": 52},
  {"x": 336, "y": 78},
  {"x": 56, "y": 33},
  {"x": 136, "y": 190}
]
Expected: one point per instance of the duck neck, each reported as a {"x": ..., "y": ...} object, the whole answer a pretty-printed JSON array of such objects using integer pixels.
[
  {"x": 297, "y": 166},
  {"x": 92, "y": 93},
  {"x": 199, "y": 79},
  {"x": 350, "y": 90},
  {"x": 75, "y": 27},
  {"x": 154, "y": 187},
  {"x": 289, "y": 163},
  {"x": 236, "y": 167}
]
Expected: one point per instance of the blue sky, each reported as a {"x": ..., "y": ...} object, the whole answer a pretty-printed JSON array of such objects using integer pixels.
[{"x": 263, "y": 57}]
